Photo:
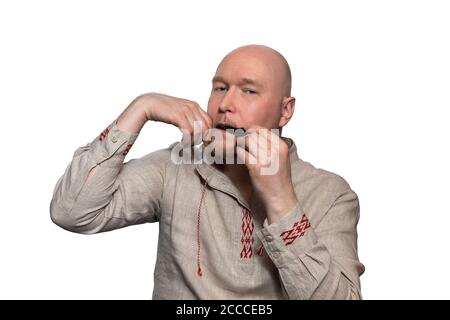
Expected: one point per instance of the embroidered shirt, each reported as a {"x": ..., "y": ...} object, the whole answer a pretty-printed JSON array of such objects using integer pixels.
[{"x": 213, "y": 244}]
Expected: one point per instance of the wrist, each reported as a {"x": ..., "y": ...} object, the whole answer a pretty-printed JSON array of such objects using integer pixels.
[
  {"x": 144, "y": 103},
  {"x": 278, "y": 210},
  {"x": 132, "y": 118}
]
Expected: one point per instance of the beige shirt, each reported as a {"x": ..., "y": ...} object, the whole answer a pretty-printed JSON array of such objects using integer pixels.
[{"x": 213, "y": 244}]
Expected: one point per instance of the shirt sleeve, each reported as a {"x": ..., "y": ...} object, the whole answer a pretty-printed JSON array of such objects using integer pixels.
[
  {"x": 317, "y": 261},
  {"x": 116, "y": 195}
]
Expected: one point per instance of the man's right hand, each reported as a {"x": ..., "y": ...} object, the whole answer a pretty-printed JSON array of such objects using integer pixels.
[{"x": 159, "y": 107}]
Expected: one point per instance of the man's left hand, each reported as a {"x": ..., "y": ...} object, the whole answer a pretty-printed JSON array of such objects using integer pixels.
[{"x": 266, "y": 156}]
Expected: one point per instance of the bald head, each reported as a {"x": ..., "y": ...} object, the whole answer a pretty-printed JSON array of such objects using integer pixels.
[
  {"x": 270, "y": 62},
  {"x": 252, "y": 87}
]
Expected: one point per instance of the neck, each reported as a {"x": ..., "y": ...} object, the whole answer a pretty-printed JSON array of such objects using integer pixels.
[{"x": 238, "y": 174}]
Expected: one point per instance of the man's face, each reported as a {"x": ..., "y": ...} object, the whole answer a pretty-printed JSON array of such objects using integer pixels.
[{"x": 246, "y": 91}]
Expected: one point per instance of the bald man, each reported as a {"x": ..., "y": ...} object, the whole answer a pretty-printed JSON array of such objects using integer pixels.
[{"x": 227, "y": 228}]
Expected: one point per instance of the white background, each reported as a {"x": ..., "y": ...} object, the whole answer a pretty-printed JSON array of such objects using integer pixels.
[{"x": 372, "y": 82}]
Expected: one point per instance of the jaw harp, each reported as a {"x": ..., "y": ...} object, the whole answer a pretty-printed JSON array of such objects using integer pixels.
[{"x": 240, "y": 132}]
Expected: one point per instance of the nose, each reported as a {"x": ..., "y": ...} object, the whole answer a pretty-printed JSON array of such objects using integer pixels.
[{"x": 228, "y": 102}]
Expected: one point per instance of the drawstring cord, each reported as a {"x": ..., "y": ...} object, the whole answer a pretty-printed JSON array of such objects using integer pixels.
[{"x": 199, "y": 268}]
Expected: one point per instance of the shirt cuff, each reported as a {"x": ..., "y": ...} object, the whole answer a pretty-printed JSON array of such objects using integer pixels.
[
  {"x": 112, "y": 144},
  {"x": 288, "y": 238}
]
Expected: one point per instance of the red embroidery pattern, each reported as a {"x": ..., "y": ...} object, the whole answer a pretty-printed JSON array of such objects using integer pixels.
[
  {"x": 297, "y": 230},
  {"x": 247, "y": 238},
  {"x": 104, "y": 134},
  {"x": 127, "y": 149},
  {"x": 260, "y": 250}
]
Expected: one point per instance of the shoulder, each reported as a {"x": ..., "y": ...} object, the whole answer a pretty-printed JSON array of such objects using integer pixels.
[
  {"x": 304, "y": 173},
  {"x": 318, "y": 189}
]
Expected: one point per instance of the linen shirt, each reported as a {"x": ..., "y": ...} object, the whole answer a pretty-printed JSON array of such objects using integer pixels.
[{"x": 213, "y": 243}]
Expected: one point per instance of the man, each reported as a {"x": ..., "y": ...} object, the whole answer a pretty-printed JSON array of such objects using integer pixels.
[{"x": 226, "y": 230}]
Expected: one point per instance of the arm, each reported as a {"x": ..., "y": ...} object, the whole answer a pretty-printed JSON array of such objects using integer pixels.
[
  {"x": 317, "y": 261},
  {"x": 98, "y": 192}
]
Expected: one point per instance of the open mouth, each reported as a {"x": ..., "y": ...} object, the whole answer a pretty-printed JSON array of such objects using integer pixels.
[{"x": 230, "y": 129}]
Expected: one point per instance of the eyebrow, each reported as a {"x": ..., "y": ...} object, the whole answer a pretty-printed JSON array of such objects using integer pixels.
[{"x": 242, "y": 81}]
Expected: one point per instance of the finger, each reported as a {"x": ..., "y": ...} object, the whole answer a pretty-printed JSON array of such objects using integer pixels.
[
  {"x": 201, "y": 130},
  {"x": 258, "y": 145},
  {"x": 186, "y": 133},
  {"x": 255, "y": 141},
  {"x": 220, "y": 139},
  {"x": 206, "y": 117},
  {"x": 201, "y": 125},
  {"x": 254, "y": 133},
  {"x": 250, "y": 142},
  {"x": 245, "y": 157},
  {"x": 253, "y": 128},
  {"x": 199, "y": 113},
  {"x": 188, "y": 123}
]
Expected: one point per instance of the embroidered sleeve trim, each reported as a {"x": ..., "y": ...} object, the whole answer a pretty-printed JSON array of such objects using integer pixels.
[
  {"x": 127, "y": 149},
  {"x": 297, "y": 230},
  {"x": 260, "y": 250},
  {"x": 103, "y": 134}
]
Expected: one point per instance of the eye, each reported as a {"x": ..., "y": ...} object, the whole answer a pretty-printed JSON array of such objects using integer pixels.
[
  {"x": 249, "y": 91},
  {"x": 220, "y": 88}
]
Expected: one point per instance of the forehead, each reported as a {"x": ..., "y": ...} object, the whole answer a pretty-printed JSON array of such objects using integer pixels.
[{"x": 238, "y": 66}]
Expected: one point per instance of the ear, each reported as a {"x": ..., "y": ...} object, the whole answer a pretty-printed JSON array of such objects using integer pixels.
[{"x": 287, "y": 110}]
